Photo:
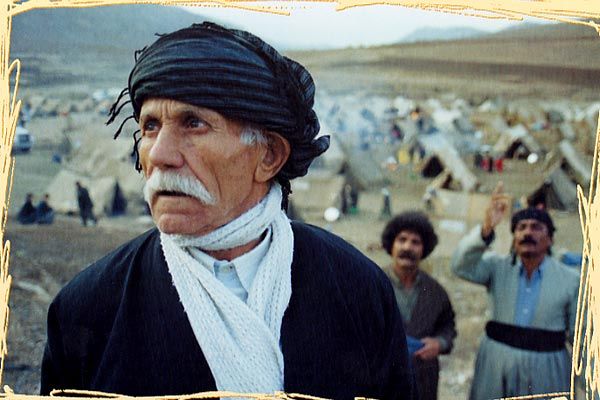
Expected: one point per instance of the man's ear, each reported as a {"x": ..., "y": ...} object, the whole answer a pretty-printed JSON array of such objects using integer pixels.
[{"x": 275, "y": 154}]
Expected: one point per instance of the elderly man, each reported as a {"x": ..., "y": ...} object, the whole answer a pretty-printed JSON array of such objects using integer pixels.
[
  {"x": 424, "y": 304},
  {"x": 226, "y": 293},
  {"x": 534, "y": 305}
]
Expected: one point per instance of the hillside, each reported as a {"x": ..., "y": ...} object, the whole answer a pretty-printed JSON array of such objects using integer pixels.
[
  {"x": 109, "y": 28},
  {"x": 560, "y": 60},
  {"x": 86, "y": 45}
]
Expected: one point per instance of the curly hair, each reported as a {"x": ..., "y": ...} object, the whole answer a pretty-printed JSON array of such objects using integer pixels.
[{"x": 414, "y": 221}]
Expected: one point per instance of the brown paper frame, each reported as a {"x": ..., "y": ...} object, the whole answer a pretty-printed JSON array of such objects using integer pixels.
[{"x": 587, "y": 344}]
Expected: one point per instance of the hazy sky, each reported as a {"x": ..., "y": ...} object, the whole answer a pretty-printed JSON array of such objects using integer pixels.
[{"x": 318, "y": 25}]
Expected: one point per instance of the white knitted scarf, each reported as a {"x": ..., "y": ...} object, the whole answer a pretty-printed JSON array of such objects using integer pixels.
[{"x": 239, "y": 340}]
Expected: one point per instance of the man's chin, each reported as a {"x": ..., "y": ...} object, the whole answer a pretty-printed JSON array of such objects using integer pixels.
[
  {"x": 184, "y": 224},
  {"x": 528, "y": 254},
  {"x": 408, "y": 266},
  {"x": 174, "y": 224}
]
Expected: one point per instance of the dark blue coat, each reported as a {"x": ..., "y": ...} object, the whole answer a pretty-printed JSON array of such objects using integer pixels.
[{"x": 119, "y": 326}]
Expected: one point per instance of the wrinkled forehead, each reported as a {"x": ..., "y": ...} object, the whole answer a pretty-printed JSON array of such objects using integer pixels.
[{"x": 162, "y": 106}]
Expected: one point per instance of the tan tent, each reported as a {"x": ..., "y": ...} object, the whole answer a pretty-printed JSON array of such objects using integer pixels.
[
  {"x": 99, "y": 164},
  {"x": 516, "y": 142},
  {"x": 557, "y": 191},
  {"x": 63, "y": 193},
  {"x": 571, "y": 162},
  {"x": 564, "y": 169},
  {"x": 447, "y": 203},
  {"x": 441, "y": 156},
  {"x": 317, "y": 191}
]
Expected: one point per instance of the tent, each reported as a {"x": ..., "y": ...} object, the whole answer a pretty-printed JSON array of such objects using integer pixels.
[
  {"x": 566, "y": 130},
  {"x": 557, "y": 191},
  {"x": 525, "y": 112},
  {"x": 516, "y": 142},
  {"x": 105, "y": 167},
  {"x": 571, "y": 162},
  {"x": 441, "y": 156},
  {"x": 63, "y": 194},
  {"x": 564, "y": 168},
  {"x": 442, "y": 201},
  {"x": 361, "y": 167},
  {"x": 317, "y": 191}
]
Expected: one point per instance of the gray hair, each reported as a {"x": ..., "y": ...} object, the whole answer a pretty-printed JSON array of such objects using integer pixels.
[{"x": 252, "y": 135}]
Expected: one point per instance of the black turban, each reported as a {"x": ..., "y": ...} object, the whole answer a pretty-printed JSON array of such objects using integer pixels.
[
  {"x": 532, "y": 213},
  {"x": 414, "y": 221},
  {"x": 238, "y": 75}
]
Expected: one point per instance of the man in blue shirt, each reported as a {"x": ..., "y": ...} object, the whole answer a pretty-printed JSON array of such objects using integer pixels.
[{"x": 534, "y": 305}]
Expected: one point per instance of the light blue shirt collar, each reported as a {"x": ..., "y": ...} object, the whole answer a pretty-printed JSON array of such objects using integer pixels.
[
  {"x": 539, "y": 271},
  {"x": 247, "y": 264},
  {"x": 239, "y": 273}
]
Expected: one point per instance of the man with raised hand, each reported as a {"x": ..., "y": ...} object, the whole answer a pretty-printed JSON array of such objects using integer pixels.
[{"x": 534, "y": 304}]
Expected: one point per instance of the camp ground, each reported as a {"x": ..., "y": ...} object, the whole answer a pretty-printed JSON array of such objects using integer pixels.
[{"x": 105, "y": 167}]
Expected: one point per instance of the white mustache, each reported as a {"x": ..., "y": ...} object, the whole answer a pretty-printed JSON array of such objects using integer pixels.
[{"x": 174, "y": 182}]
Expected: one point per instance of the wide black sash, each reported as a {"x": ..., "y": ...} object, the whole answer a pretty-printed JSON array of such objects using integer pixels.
[{"x": 533, "y": 339}]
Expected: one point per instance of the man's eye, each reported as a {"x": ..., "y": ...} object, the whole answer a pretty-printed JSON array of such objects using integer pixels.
[
  {"x": 150, "y": 125},
  {"x": 194, "y": 122}
]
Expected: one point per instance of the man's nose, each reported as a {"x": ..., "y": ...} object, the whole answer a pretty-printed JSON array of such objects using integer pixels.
[
  {"x": 406, "y": 245},
  {"x": 166, "y": 149},
  {"x": 527, "y": 231}
]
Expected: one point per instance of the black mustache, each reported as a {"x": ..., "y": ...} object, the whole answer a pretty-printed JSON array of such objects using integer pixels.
[
  {"x": 407, "y": 254},
  {"x": 528, "y": 239}
]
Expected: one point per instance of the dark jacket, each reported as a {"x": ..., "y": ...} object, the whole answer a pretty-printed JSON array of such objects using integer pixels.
[
  {"x": 26, "y": 214},
  {"x": 83, "y": 199},
  {"x": 119, "y": 326},
  {"x": 432, "y": 316}
]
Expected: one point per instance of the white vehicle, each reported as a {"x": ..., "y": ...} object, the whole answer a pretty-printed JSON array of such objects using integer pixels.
[{"x": 23, "y": 141}]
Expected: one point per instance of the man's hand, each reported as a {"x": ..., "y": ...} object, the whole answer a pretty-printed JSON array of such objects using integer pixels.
[
  {"x": 430, "y": 350},
  {"x": 496, "y": 210}
]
